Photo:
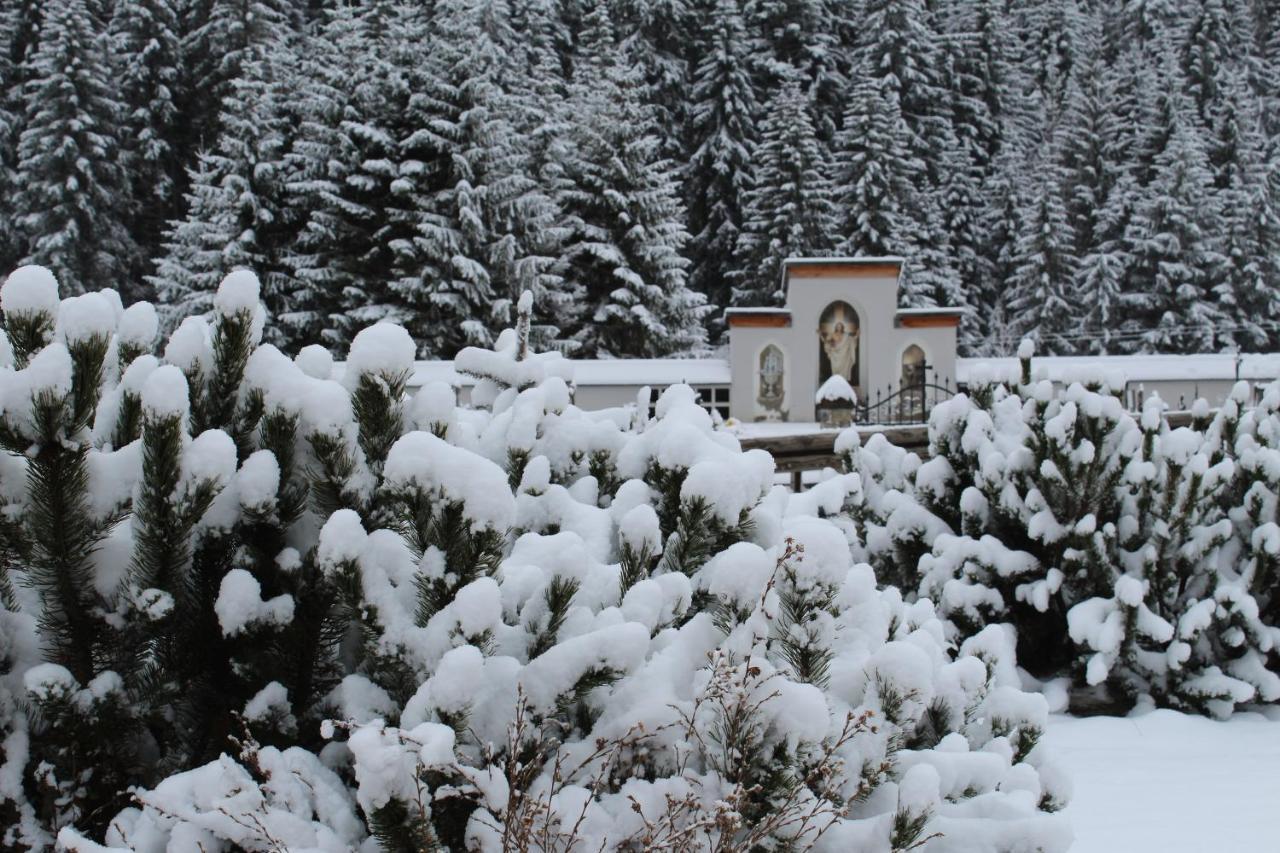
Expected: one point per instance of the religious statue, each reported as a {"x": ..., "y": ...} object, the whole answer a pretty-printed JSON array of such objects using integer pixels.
[{"x": 838, "y": 333}]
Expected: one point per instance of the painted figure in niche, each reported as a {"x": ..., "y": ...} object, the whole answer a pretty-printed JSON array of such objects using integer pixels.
[
  {"x": 838, "y": 332},
  {"x": 912, "y": 367},
  {"x": 770, "y": 381},
  {"x": 911, "y": 396}
]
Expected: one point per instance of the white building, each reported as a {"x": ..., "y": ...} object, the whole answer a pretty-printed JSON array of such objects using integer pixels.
[{"x": 841, "y": 315}]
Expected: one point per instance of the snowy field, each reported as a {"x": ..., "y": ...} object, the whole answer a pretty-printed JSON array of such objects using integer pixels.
[{"x": 1169, "y": 783}]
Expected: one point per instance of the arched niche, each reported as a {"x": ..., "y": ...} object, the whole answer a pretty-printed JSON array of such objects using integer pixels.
[
  {"x": 839, "y": 335},
  {"x": 771, "y": 381},
  {"x": 913, "y": 367}
]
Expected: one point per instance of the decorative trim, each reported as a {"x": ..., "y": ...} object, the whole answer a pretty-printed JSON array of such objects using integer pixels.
[
  {"x": 927, "y": 321},
  {"x": 760, "y": 320},
  {"x": 843, "y": 270}
]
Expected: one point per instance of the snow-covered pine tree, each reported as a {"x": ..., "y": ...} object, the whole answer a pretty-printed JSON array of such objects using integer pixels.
[
  {"x": 1207, "y": 52},
  {"x": 71, "y": 200},
  {"x": 62, "y": 517},
  {"x": 1124, "y": 552},
  {"x": 1096, "y": 138},
  {"x": 656, "y": 35},
  {"x": 967, "y": 60},
  {"x": 1175, "y": 257},
  {"x": 982, "y": 57},
  {"x": 241, "y": 211},
  {"x": 875, "y": 174},
  {"x": 1250, "y": 222},
  {"x": 1000, "y": 221},
  {"x": 278, "y": 548},
  {"x": 17, "y": 29},
  {"x": 723, "y": 122},
  {"x": 473, "y": 228},
  {"x": 1042, "y": 297},
  {"x": 361, "y": 72},
  {"x": 625, "y": 215},
  {"x": 790, "y": 209},
  {"x": 220, "y": 38},
  {"x": 806, "y": 40},
  {"x": 900, "y": 46},
  {"x": 1052, "y": 43},
  {"x": 147, "y": 50},
  {"x": 312, "y": 290}
]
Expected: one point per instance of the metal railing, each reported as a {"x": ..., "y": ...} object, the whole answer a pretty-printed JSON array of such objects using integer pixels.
[{"x": 902, "y": 404}]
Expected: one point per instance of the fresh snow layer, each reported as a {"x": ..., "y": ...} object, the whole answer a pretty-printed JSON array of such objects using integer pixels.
[
  {"x": 30, "y": 290},
  {"x": 237, "y": 293},
  {"x": 836, "y": 389},
  {"x": 139, "y": 325},
  {"x": 1166, "y": 782},
  {"x": 1135, "y": 368}
]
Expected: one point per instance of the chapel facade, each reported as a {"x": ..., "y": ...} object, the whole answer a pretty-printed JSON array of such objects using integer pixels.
[{"x": 840, "y": 317}]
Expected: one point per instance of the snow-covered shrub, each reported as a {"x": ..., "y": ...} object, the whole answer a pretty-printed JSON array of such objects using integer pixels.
[
  {"x": 1126, "y": 552},
  {"x": 259, "y": 603}
]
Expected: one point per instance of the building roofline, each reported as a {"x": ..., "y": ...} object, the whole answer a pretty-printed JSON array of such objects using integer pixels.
[
  {"x": 895, "y": 262},
  {"x": 940, "y": 310},
  {"x": 845, "y": 260}
]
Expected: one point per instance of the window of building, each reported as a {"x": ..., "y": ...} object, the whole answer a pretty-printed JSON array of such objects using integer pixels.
[{"x": 713, "y": 398}]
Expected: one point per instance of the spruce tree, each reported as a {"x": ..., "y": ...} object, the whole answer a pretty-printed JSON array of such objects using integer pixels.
[
  {"x": 625, "y": 216},
  {"x": 656, "y": 35},
  {"x": 1250, "y": 222},
  {"x": 971, "y": 67},
  {"x": 1042, "y": 299},
  {"x": 724, "y": 114},
  {"x": 790, "y": 207},
  {"x": 875, "y": 175},
  {"x": 1051, "y": 34},
  {"x": 1207, "y": 52},
  {"x": 361, "y": 72},
  {"x": 805, "y": 40},
  {"x": 9, "y": 127},
  {"x": 146, "y": 47},
  {"x": 900, "y": 47},
  {"x": 72, "y": 190},
  {"x": 993, "y": 327},
  {"x": 224, "y": 37},
  {"x": 239, "y": 210},
  {"x": 1175, "y": 260}
]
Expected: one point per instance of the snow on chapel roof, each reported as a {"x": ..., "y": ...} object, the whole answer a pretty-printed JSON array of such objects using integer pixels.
[
  {"x": 838, "y": 266},
  {"x": 849, "y": 260}
]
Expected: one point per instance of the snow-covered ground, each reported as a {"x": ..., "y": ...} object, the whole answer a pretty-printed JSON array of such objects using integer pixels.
[{"x": 1166, "y": 782}]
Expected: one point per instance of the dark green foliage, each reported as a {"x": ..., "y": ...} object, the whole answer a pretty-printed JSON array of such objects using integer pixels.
[
  {"x": 810, "y": 660},
  {"x": 28, "y": 333},
  {"x": 557, "y": 597},
  {"x": 378, "y": 407},
  {"x": 908, "y": 827},
  {"x": 163, "y": 546},
  {"x": 454, "y": 553},
  {"x": 698, "y": 534},
  {"x": 636, "y": 565},
  {"x": 62, "y": 539},
  {"x": 403, "y": 828},
  {"x": 128, "y": 419},
  {"x": 232, "y": 343},
  {"x": 84, "y": 778}
]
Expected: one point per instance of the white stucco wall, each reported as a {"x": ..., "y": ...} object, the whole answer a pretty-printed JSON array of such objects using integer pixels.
[{"x": 870, "y": 287}]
